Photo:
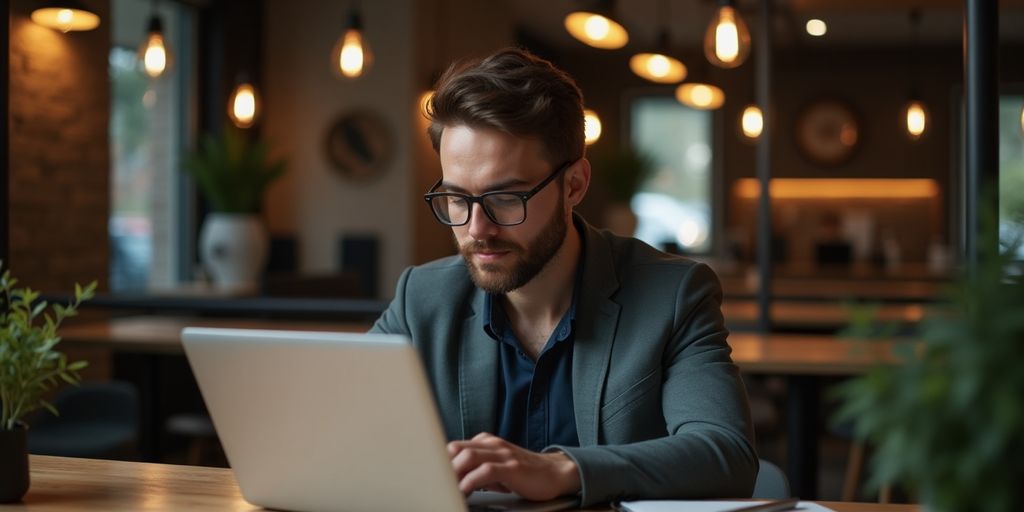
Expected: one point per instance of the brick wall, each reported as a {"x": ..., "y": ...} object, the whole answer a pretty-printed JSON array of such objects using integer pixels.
[{"x": 59, "y": 152}]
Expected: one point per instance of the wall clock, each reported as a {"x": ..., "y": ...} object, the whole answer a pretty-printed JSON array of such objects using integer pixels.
[
  {"x": 828, "y": 133},
  {"x": 359, "y": 144}
]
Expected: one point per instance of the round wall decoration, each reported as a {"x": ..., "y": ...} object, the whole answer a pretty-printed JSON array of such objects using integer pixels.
[
  {"x": 359, "y": 144},
  {"x": 827, "y": 132}
]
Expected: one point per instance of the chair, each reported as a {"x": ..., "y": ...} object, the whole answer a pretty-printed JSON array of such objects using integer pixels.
[
  {"x": 97, "y": 420},
  {"x": 771, "y": 483}
]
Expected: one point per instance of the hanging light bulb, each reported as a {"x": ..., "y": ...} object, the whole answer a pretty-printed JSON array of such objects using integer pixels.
[
  {"x": 658, "y": 66},
  {"x": 66, "y": 16},
  {"x": 816, "y": 27},
  {"x": 591, "y": 127},
  {"x": 244, "y": 105},
  {"x": 916, "y": 116},
  {"x": 752, "y": 122},
  {"x": 727, "y": 40},
  {"x": 351, "y": 56},
  {"x": 700, "y": 96},
  {"x": 596, "y": 26},
  {"x": 153, "y": 53}
]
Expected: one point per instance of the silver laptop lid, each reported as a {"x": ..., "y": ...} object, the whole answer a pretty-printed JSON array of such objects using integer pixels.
[{"x": 324, "y": 421}]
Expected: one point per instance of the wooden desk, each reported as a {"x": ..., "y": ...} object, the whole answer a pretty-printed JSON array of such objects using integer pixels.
[{"x": 74, "y": 485}]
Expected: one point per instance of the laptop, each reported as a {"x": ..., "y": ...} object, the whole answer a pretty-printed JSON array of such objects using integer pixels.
[{"x": 315, "y": 421}]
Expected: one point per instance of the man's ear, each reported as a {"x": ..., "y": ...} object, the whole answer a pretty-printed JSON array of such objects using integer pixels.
[{"x": 577, "y": 182}]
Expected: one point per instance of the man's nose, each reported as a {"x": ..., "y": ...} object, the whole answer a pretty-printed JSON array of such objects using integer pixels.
[{"x": 480, "y": 225}]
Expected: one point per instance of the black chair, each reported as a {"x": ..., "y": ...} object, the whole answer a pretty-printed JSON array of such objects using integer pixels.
[{"x": 97, "y": 420}]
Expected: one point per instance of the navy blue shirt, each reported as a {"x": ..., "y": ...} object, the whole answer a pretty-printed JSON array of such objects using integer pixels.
[{"x": 534, "y": 399}]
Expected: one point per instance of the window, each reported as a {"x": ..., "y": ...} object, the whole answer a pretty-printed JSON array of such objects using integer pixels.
[
  {"x": 148, "y": 128},
  {"x": 1011, "y": 172},
  {"x": 673, "y": 204}
]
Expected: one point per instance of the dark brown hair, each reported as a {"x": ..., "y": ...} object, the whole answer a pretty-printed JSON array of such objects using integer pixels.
[{"x": 517, "y": 93}]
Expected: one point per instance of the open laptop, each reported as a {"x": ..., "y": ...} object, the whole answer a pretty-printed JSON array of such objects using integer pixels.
[{"x": 331, "y": 421}]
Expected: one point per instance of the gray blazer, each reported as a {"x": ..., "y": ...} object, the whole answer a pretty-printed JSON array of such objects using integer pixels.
[{"x": 660, "y": 409}]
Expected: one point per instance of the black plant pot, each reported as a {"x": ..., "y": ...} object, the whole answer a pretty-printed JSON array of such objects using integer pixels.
[{"x": 13, "y": 464}]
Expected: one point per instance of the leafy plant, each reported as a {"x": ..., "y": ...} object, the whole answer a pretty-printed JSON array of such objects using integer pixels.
[
  {"x": 29, "y": 363},
  {"x": 948, "y": 421},
  {"x": 622, "y": 170},
  {"x": 233, "y": 171}
]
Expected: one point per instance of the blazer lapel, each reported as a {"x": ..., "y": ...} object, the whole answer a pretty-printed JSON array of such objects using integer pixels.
[
  {"x": 596, "y": 321},
  {"x": 478, "y": 373}
]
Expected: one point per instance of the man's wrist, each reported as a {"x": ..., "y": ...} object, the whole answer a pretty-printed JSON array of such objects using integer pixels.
[{"x": 568, "y": 473}]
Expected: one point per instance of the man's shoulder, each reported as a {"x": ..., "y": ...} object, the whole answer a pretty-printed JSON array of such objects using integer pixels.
[
  {"x": 631, "y": 256},
  {"x": 442, "y": 275}
]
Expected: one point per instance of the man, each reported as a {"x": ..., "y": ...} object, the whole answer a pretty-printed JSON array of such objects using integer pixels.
[{"x": 564, "y": 359}]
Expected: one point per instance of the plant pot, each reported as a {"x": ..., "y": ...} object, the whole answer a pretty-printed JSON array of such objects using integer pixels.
[
  {"x": 233, "y": 249},
  {"x": 13, "y": 464}
]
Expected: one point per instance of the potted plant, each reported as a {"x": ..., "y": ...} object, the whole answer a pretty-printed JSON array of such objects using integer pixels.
[
  {"x": 621, "y": 170},
  {"x": 233, "y": 172},
  {"x": 948, "y": 421},
  {"x": 30, "y": 366}
]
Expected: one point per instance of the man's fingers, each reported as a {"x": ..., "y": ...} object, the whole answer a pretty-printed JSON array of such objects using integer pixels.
[
  {"x": 469, "y": 459},
  {"x": 485, "y": 475}
]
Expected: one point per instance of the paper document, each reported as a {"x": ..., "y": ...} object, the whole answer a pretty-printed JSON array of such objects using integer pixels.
[{"x": 706, "y": 506}]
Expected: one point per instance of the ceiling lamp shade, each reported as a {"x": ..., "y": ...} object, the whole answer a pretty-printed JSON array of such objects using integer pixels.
[
  {"x": 244, "y": 105},
  {"x": 658, "y": 66},
  {"x": 700, "y": 96},
  {"x": 591, "y": 127},
  {"x": 66, "y": 16},
  {"x": 596, "y": 26},
  {"x": 727, "y": 40},
  {"x": 752, "y": 122},
  {"x": 351, "y": 57},
  {"x": 153, "y": 53},
  {"x": 916, "y": 117}
]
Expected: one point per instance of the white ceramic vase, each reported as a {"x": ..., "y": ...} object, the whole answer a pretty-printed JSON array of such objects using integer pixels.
[{"x": 233, "y": 249}]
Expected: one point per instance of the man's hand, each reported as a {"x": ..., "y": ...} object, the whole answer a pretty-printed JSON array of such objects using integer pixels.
[{"x": 489, "y": 462}]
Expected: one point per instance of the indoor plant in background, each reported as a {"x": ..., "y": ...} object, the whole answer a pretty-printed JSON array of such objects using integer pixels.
[
  {"x": 948, "y": 421},
  {"x": 233, "y": 171},
  {"x": 30, "y": 367},
  {"x": 620, "y": 170}
]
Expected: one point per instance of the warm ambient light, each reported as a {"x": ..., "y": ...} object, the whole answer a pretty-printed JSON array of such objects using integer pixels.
[
  {"x": 351, "y": 56},
  {"x": 67, "y": 16},
  {"x": 700, "y": 96},
  {"x": 1022, "y": 120},
  {"x": 840, "y": 188},
  {"x": 816, "y": 27},
  {"x": 658, "y": 68},
  {"x": 597, "y": 30},
  {"x": 591, "y": 126},
  {"x": 424, "y": 102},
  {"x": 916, "y": 119},
  {"x": 752, "y": 122},
  {"x": 243, "y": 105},
  {"x": 153, "y": 53},
  {"x": 727, "y": 40}
]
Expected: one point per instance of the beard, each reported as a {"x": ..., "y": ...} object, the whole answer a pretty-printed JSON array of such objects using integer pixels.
[{"x": 527, "y": 262}]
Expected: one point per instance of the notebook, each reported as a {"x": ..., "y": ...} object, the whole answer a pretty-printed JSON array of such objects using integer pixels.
[{"x": 331, "y": 421}]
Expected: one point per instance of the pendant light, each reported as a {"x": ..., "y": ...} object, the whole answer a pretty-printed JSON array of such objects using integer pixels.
[
  {"x": 752, "y": 122},
  {"x": 591, "y": 127},
  {"x": 658, "y": 66},
  {"x": 700, "y": 96},
  {"x": 244, "y": 104},
  {"x": 66, "y": 16},
  {"x": 727, "y": 40},
  {"x": 594, "y": 24},
  {"x": 351, "y": 57},
  {"x": 915, "y": 113},
  {"x": 153, "y": 53}
]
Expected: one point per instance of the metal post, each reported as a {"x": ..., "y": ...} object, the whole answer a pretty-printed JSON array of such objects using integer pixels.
[
  {"x": 5, "y": 78},
  {"x": 763, "y": 80},
  {"x": 981, "y": 79}
]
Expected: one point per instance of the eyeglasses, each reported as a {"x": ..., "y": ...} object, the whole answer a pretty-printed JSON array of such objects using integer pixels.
[{"x": 504, "y": 208}]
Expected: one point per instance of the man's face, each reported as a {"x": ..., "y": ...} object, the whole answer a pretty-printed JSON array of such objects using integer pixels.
[{"x": 475, "y": 161}]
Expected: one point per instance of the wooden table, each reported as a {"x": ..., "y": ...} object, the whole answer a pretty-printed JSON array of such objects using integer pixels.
[
  {"x": 65, "y": 484},
  {"x": 802, "y": 359}
]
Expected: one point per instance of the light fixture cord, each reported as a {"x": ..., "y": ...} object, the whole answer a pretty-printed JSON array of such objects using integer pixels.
[{"x": 915, "y": 36}]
